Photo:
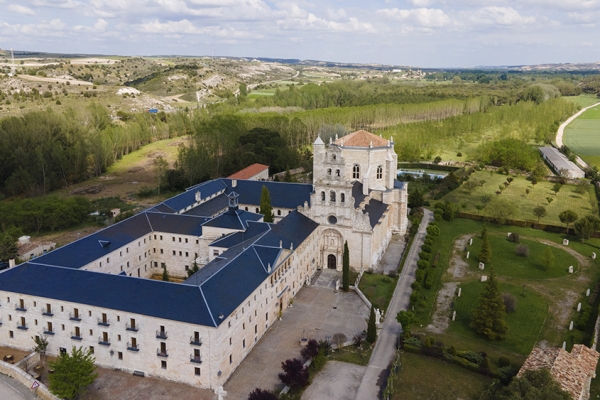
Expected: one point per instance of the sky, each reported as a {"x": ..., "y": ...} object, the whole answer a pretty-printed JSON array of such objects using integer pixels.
[{"x": 419, "y": 33}]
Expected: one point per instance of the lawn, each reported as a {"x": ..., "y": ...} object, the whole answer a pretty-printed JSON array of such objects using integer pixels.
[
  {"x": 582, "y": 134},
  {"x": 524, "y": 203},
  {"x": 507, "y": 263},
  {"x": 167, "y": 148},
  {"x": 583, "y": 100},
  {"x": 525, "y": 323},
  {"x": 378, "y": 289},
  {"x": 351, "y": 354},
  {"x": 430, "y": 379}
]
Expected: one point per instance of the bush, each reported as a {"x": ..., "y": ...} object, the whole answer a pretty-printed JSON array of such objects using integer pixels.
[
  {"x": 514, "y": 237},
  {"x": 584, "y": 317},
  {"x": 433, "y": 230},
  {"x": 428, "y": 242},
  {"x": 424, "y": 255},
  {"x": 422, "y": 264},
  {"x": 452, "y": 350},
  {"x": 426, "y": 248},
  {"x": 437, "y": 216},
  {"x": 261, "y": 394},
  {"x": 503, "y": 361},
  {"x": 419, "y": 273},
  {"x": 522, "y": 250},
  {"x": 471, "y": 356},
  {"x": 311, "y": 350},
  {"x": 318, "y": 362},
  {"x": 415, "y": 285},
  {"x": 428, "y": 281}
]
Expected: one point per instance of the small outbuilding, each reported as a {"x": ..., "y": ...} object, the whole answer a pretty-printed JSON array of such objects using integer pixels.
[
  {"x": 559, "y": 163},
  {"x": 254, "y": 172}
]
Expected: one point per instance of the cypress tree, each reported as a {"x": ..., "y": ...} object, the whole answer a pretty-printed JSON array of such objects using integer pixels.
[
  {"x": 265, "y": 205},
  {"x": 165, "y": 275},
  {"x": 371, "y": 327},
  {"x": 346, "y": 268},
  {"x": 485, "y": 255},
  {"x": 490, "y": 313}
]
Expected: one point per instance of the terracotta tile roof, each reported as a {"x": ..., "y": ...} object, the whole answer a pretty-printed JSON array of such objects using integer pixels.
[
  {"x": 249, "y": 171},
  {"x": 361, "y": 139},
  {"x": 571, "y": 370}
]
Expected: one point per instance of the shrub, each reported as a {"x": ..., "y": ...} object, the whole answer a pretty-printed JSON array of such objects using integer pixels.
[
  {"x": 522, "y": 250},
  {"x": 503, "y": 361},
  {"x": 318, "y": 362},
  {"x": 459, "y": 154},
  {"x": 311, "y": 350},
  {"x": 424, "y": 255},
  {"x": 324, "y": 347},
  {"x": 426, "y": 248},
  {"x": 414, "y": 297},
  {"x": 261, "y": 394},
  {"x": 338, "y": 339},
  {"x": 510, "y": 302},
  {"x": 428, "y": 281},
  {"x": 413, "y": 341},
  {"x": 294, "y": 375},
  {"x": 427, "y": 342},
  {"x": 471, "y": 356},
  {"x": 452, "y": 350},
  {"x": 428, "y": 242},
  {"x": 433, "y": 230},
  {"x": 419, "y": 273},
  {"x": 514, "y": 237},
  {"x": 415, "y": 285},
  {"x": 422, "y": 264}
]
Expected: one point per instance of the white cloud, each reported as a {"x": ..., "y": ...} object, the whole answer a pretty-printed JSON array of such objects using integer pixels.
[
  {"x": 188, "y": 28},
  {"x": 419, "y": 17},
  {"x": 421, "y": 3},
  {"x": 42, "y": 29},
  {"x": 19, "y": 9},
  {"x": 497, "y": 16}
]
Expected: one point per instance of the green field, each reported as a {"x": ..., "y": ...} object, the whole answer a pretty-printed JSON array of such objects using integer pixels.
[
  {"x": 507, "y": 263},
  {"x": 583, "y": 100},
  {"x": 378, "y": 289},
  {"x": 583, "y": 134},
  {"x": 525, "y": 203},
  {"x": 525, "y": 323}
]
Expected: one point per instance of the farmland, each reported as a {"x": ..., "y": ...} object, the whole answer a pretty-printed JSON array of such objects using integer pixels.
[{"x": 582, "y": 135}]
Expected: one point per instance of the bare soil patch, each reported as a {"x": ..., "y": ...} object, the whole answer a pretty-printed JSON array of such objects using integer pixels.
[
  {"x": 459, "y": 267},
  {"x": 441, "y": 316}
]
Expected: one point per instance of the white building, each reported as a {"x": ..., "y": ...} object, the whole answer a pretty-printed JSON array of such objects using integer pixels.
[{"x": 95, "y": 292}]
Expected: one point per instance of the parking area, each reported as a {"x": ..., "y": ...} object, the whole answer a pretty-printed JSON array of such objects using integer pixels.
[{"x": 317, "y": 313}]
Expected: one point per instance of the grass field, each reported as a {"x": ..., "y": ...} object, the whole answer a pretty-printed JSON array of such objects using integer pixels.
[
  {"x": 430, "y": 379},
  {"x": 378, "y": 289},
  {"x": 507, "y": 263},
  {"x": 583, "y": 133},
  {"x": 525, "y": 203},
  {"x": 525, "y": 323},
  {"x": 583, "y": 100}
]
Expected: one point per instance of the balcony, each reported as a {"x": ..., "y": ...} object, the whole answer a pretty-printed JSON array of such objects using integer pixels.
[
  {"x": 47, "y": 332},
  {"x": 103, "y": 322},
  {"x": 23, "y": 327},
  {"x": 104, "y": 341},
  {"x": 195, "y": 341},
  {"x": 19, "y": 308},
  {"x": 161, "y": 334},
  {"x": 162, "y": 353},
  {"x": 133, "y": 347},
  {"x": 195, "y": 359},
  {"x": 74, "y": 317},
  {"x": 132, "y": 328},
  {"x": 75, "y": 336},
  {"x": 47, "y": 313}
]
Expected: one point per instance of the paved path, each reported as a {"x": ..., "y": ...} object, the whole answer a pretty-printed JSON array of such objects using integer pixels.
[
  {"x": 385, "y": 347},
  {"x": 337, "y": 381},
  {"x": 13, "y": 390},
  {"x": 389, "y": 261},
  {"x": 561, "y": 131}
]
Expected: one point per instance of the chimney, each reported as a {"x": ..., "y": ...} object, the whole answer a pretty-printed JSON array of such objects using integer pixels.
[
  {"x": 292, "y": 246},
  {"x": 269, "y": 268},
  {"x": 280, "y": 243},
  {"x": 11, "y": 263},
  {"x": 233, "y": 182},
  {"x": 198, "y": 197}
]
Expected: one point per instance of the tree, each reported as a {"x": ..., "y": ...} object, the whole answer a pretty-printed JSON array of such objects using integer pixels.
[
  {"x": 547, "y": 258},
  {"x": 539, "y": 172},
  {"x": 193, "y": 270},
  {"x": 534, "y": 385},
  {"x": 556, "y": 187},
  {"x": 471, "y": 185},
  {"x": 405, "y": 318},
  {"x": 8, "y": 246},
  {"x": 490, "y": 313},
  {"x": 539, "y": 212},
  {"x": 485, "y": 255},
  {"x": 73, "y": 373},
  {"x": 294, "y": 374},
  {"x": 371, "y": 326},
  {"x": 586, "y": 226},
  {"x": 346, "y": 268},
  {"x": 165, "y": 274},
  {"x": 339, "y": 339},
  {"x": 160, "y": 166},
  {"x": 310, "y": 350},
  {"x": 568, "y": 217},
  {"x": 265, "y": 205},
  {"x": 41, "y": 345},
  {"x": 415, "y": 199},
  {"x": 503, "y": 209}
]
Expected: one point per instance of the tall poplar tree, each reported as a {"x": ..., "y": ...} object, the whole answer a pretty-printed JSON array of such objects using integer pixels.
[
  {"x": 485, "y": 255},
  {"x": 346, "y": 268},
  {"x": 490, "y": 313},
  {"x": 371, "y": 326},
  {"x": 265, "y": 205}
]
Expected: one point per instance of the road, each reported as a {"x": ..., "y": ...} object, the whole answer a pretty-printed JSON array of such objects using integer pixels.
[
  {"x": 250, "y": 87},
  {"x": 13, "y": 390},
  {"x": 385, "y": 347},
  {"x": 561, "y": 131}
]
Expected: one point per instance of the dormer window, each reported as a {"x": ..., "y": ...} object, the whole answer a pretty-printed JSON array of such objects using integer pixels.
[
  {"x": 356, "y": 171},
  {"x": 379, "y": 172}
]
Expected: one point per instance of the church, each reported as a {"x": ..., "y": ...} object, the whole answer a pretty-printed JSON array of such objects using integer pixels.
[{"x": 96, "y": 292}]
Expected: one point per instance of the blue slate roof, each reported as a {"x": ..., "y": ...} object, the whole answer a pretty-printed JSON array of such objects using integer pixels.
[
  {"x": 399, "y": 185},
  {"x": 294, "y": 228},
  {"x": 211, "y": 207},
  {"x": 282, "y": 194},
  {"x": 176, "y": 223},
  {"x": 206, "y": 189},
  {"x": 233, "y": 239},
  {"x": 141, "y": 296},
  {"x": 234, "y": 219}
]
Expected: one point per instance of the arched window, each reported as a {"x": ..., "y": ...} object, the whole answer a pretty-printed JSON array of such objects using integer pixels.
[
  {"x": 342, "y": 198},
  {"x": 337, "y": 172},
  {"x": 379, "y": 172},
  {"x": 322, "y": 196},
  {"x": 332, "y": 196},
  {"x": 356, "y": 171},
  {"x": 329, "y": 171},
  {"x": 333, "y": 157}
]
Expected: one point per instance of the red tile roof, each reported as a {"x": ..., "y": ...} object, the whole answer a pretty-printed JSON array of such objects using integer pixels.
[
  {"x": 249, "y": 171},
  {"x": 361, "y": 139},
  {"x": 571, "y": 370}
]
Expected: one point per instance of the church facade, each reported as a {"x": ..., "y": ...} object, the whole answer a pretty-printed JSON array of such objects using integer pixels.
[{"x": 97, "y": 293}]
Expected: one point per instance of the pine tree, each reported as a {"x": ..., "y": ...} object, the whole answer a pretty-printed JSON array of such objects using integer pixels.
[
  {"x": 265, "y": 205},
  {"x": 73, "y": 373},
  {"x": 485, "y": 255},
  {"x": 371, "y": 327},
  {"x": 346, "y": 268},
  {"x": 490, "y": 313}
]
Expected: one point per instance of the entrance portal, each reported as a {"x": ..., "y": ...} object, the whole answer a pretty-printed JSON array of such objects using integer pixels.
[{"x": 331, "y": 261}]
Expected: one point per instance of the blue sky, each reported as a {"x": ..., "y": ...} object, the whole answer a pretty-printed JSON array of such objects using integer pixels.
[{"x": 426, "y": 33}]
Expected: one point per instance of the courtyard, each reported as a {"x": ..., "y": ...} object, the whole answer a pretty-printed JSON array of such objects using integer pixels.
[{"x": 317, "y": 313}]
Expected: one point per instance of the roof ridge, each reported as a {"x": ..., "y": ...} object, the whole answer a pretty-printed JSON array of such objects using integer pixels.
[
  {"x": 149, "y": 223},
  {"x": 207, "y": 306}
]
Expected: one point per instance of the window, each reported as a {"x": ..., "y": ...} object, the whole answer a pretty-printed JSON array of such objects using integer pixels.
[
  {"x": 174, "y": 253},
  {"x": 278, "y": 212},
  {"x": 197, "y": 371},
  {"x": 230, "y": 356},
  {"x": 379, "y": 172},
  {"x": 120, "y": 355},
  {"x": 161, "y": 251},
  {"x": 322, "y": 196},
  {"x": 173, "y": 238},
  {"x": 179, "y": 240},
  {"x": 12, "y": 335},
  {"x": 215, "y": 252},
  {"x": 332, "y": 196},
  {"x": 92, "y": 349},
  {"x": 342, "y": 197},
  {"x": 230, "y": 341},
  {"x": 91, "y": 332},
  {"x": 187, "y": 254},
  {"x": 328, "y": 171},
  {"x": 163, "y": 364},
  {"x": 244, "y": 344},
  {"x": 356, "y": 171},
  {"x": 186, "y": 240},
  {"x": 118, "y": 338}
]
